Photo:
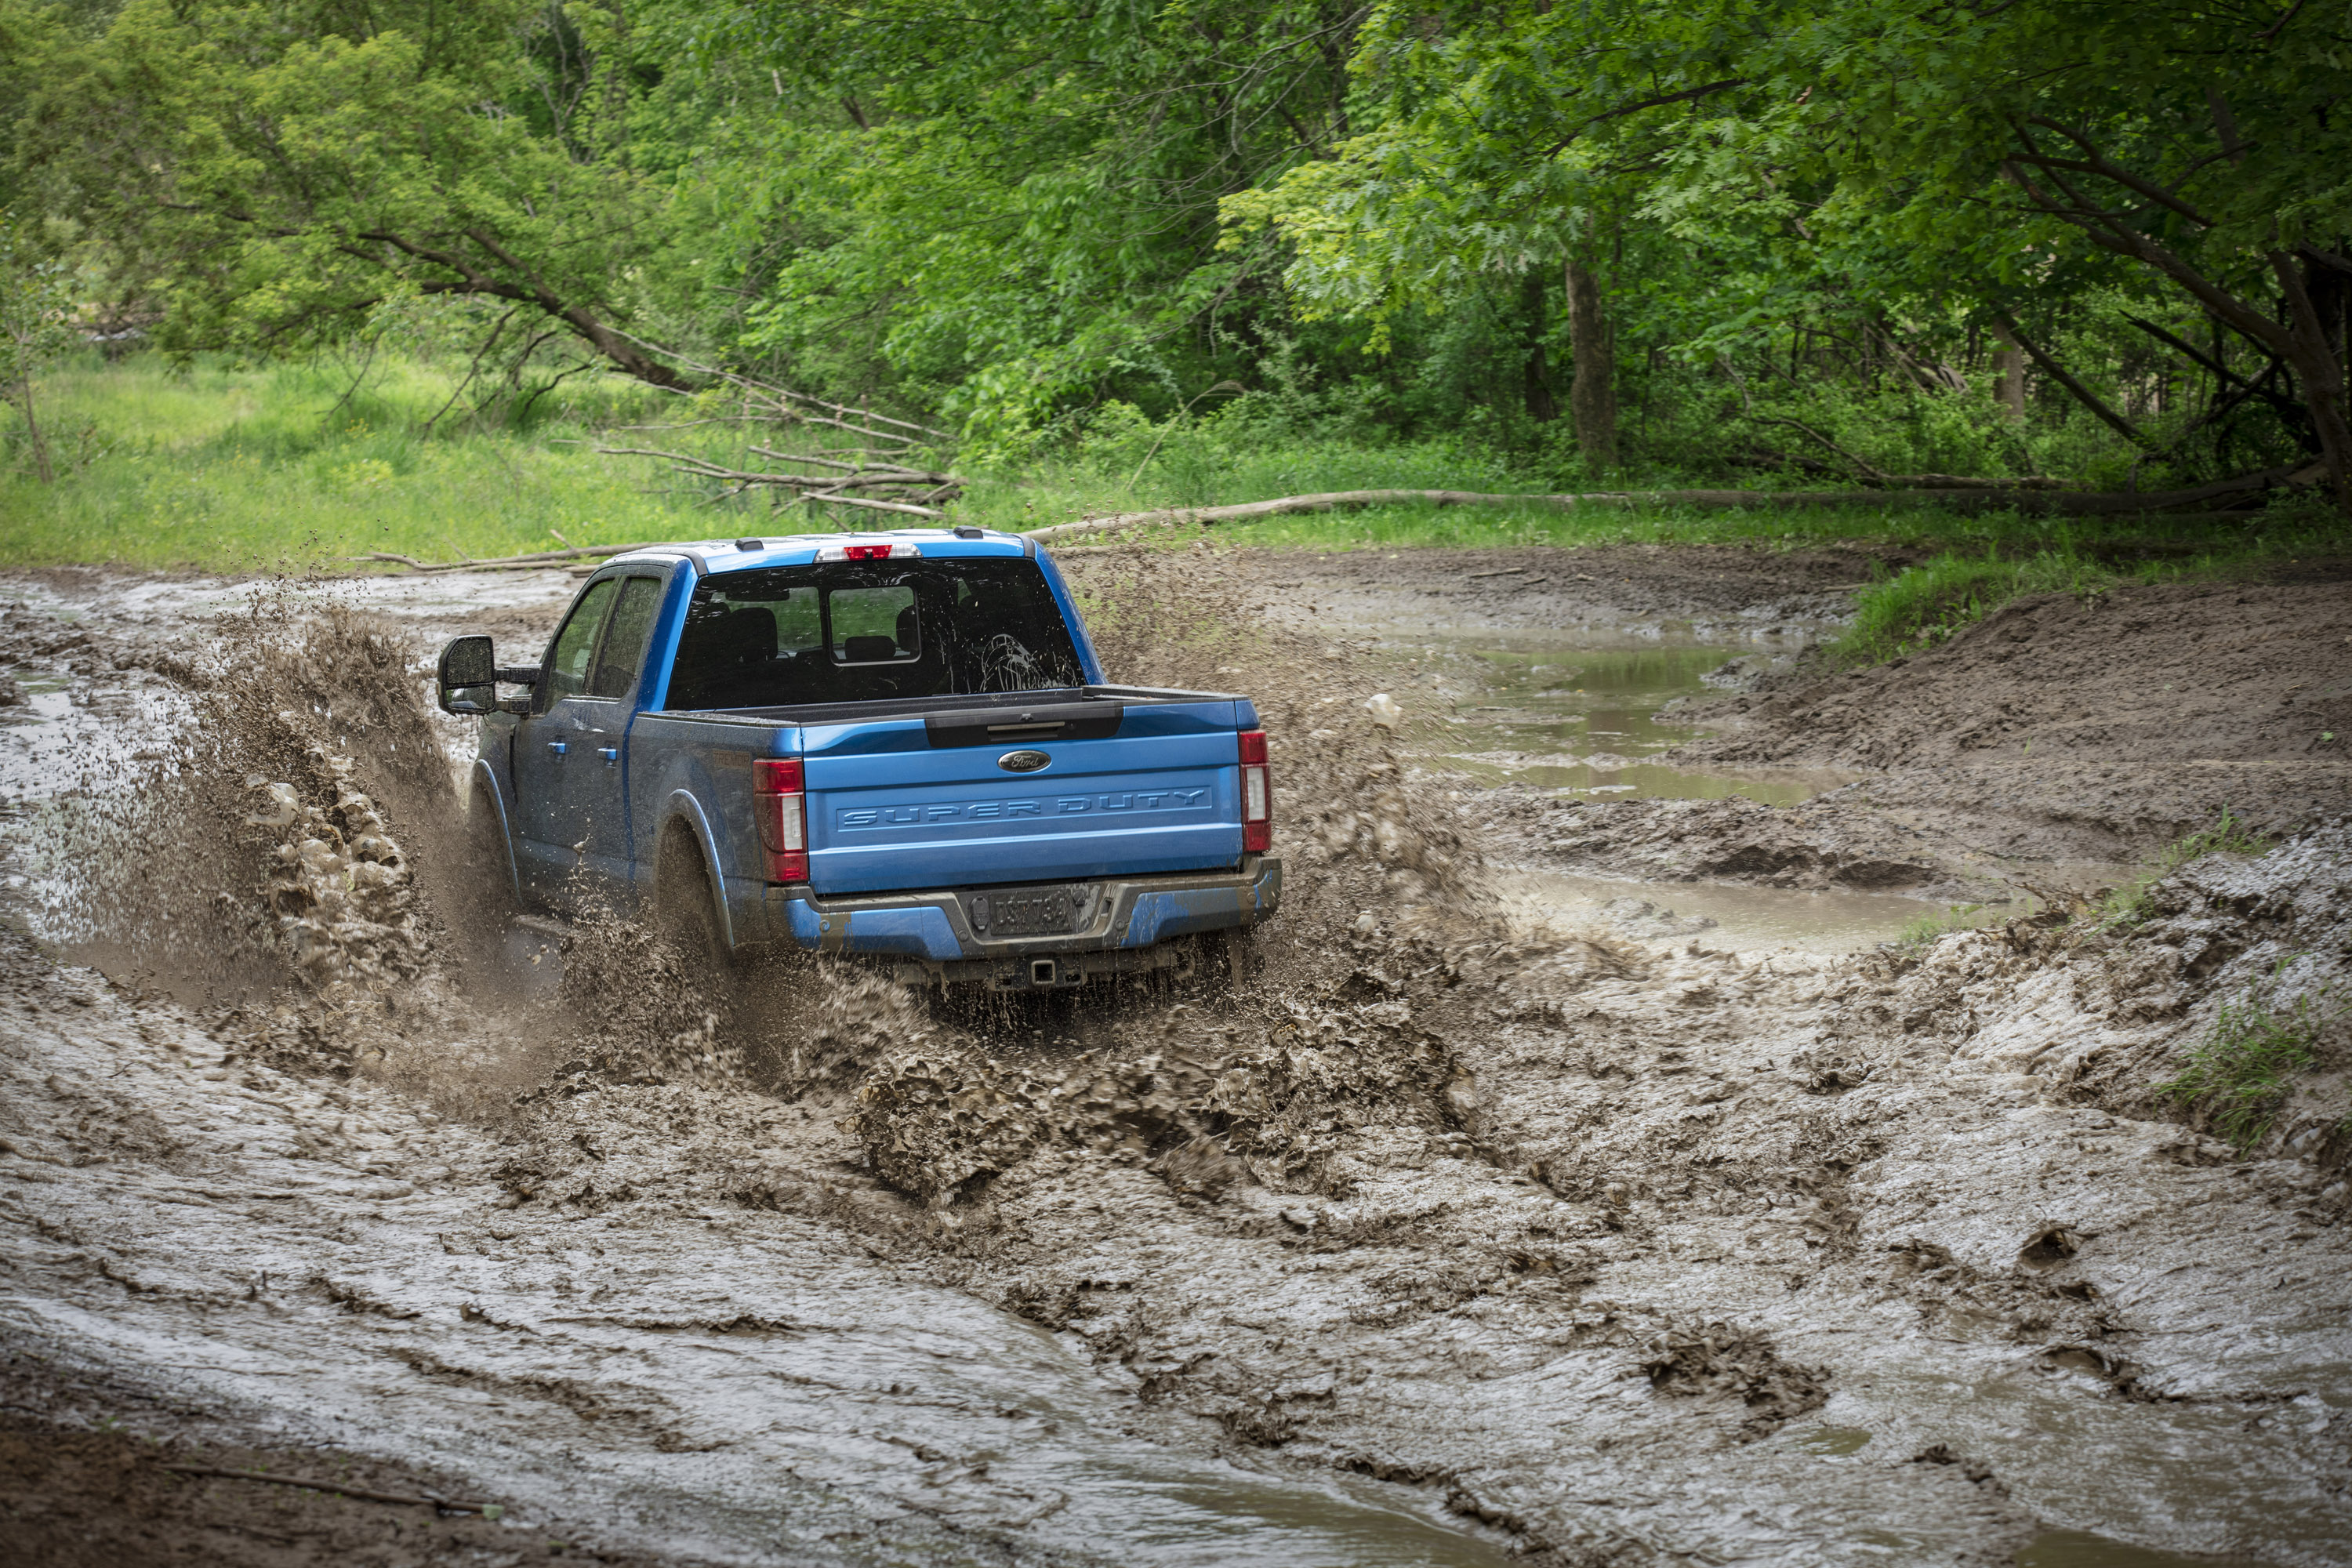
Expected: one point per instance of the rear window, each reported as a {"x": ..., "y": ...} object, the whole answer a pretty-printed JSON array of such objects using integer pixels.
[{"x": 860, "y": 630}]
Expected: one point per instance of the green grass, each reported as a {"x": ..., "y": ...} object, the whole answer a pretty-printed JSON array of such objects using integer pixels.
[
  {"x": 2240, "y": 1073},
  {"x": 2127, "y": 906},
  {"x": 1923, "y": 931},
  {"x": 233, "y": 467},
  {"x": 1913, "y": 610},
  {"x": 1922, "y": 606},
  {"x": 226, "y": 466}
]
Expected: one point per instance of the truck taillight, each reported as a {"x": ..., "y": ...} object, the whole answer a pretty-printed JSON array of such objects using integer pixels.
[
  {"x": 780, "y": 801},
  {"x": 1258, "y": 795}
]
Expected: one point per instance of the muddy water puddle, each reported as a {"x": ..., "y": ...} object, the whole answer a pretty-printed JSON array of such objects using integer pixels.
[
  {"x": 1723, "y": 916},
  {"x": 727, "y": 1382},
  {"x": 1583, "y": 712}
]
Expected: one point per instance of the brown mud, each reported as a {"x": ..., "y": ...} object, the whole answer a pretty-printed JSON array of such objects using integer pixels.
[
  {"x": 2060, "y": 732},
  {"x": 95, "y": 1474},
  {"x": 1471, "y": 1231}
]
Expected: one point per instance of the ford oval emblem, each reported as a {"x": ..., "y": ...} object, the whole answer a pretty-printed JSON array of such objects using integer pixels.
[{"x": 1022, "y": 762}]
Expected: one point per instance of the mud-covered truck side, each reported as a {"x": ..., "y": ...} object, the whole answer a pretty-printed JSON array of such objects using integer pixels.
[{"x": 898, "y": 744}]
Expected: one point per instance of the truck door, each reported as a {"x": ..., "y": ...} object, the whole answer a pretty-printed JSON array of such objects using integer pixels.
[
  {"x": 569, "y": 811},
  {"x": 549, "y": 746},
  {"x": 594, "y": 802}
]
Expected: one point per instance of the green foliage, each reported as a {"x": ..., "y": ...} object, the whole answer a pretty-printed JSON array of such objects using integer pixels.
[
  {"x": 286, "y": 466},
  {"x": 1764, "y": 182},
  {"x": 1034, "y": 223},
  {"x": 1013, "y": 208},
  {"x": 36, "y": 306},
  {"x": 2240, "y": 1073},
  {"x": 273, "y": 174},
  {"x": 1922, "y": 933},
  {"x": 2128, "y": 905},
  {"x": 1922, "y": 606}
]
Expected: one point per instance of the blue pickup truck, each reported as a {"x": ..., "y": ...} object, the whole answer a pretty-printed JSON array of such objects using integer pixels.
[{"x": 898, "y": 745}]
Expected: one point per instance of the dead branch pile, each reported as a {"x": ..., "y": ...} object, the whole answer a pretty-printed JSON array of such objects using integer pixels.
[
  {"x": 529, "y": 561},
  {"x": 879, "y": 469}
]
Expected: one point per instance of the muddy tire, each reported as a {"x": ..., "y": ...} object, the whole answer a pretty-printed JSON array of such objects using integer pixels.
[
  {"x": 485, "y": 884},
  {"x": 686, "y": 911}
]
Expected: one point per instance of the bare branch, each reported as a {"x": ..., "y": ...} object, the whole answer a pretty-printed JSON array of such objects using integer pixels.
[
  {"x": 898, "y": 506},
  {"x": 2098, "y": 162},
  {"x": 1687, "y": 96},
  {"x": 2293, "y": 413},
  {"x": 2059, "y": 373}
]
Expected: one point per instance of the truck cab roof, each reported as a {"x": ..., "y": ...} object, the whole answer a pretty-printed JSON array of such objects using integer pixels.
[{"x": 712, "y": 555}]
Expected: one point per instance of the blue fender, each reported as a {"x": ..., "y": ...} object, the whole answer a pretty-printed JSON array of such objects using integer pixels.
[
  {"x": 487, "y": 778},
  {"x": 681, "y": 806}
]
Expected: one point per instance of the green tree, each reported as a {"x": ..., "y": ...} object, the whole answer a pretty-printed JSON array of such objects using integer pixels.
[
  {"x": 1014, "y": 208},
  {"x": 280, "y": 169},
  {"x": 36, "y": 325},
  {"x": 1868, "y": 152}
]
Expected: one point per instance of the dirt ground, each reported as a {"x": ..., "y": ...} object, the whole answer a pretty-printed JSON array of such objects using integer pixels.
[
  {"x": 95, "y": 1473},
  {"x": 1484, "y": 1229}
]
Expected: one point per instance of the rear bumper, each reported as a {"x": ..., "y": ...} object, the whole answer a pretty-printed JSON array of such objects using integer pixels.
[{"x": 1114, "y": 914}]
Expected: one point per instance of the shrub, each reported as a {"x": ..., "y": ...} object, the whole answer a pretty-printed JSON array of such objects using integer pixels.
[
  {"x": 2240, "y": 1073},
  {"x": 2128, "y": 905}
]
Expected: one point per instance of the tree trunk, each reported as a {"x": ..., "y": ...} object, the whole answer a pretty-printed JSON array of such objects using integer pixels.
[
  {"x": 1592, "y": 396},
  {"x": 1542, "y": 407},
  {"x": 41, "y": 467},
  {"x": 2059, "y": 373},
  {"x": 2008, "y": 374},
  {"x": 2317, "y": 357}
]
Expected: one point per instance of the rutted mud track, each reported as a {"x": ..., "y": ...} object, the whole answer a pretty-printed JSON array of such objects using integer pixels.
[{"x": 1458, "y": 1238}]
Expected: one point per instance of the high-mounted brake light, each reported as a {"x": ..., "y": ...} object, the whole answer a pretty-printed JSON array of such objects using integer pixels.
[
  {"x": 1258, "y": 793},
  {"x": 904, "y": 550},
  {"x": 780, "y": 802}
]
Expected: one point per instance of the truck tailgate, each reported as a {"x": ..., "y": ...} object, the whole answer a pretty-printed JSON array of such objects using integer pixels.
[{"x": 890, "y": 807}]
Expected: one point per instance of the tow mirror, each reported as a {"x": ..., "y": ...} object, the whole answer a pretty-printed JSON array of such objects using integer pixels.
[{"x": 470, "y": 677}]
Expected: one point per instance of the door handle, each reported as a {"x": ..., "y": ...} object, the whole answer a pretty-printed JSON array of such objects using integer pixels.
[
  {"x": 558, "y": 747},
  {"x": 611, "y": 754}
]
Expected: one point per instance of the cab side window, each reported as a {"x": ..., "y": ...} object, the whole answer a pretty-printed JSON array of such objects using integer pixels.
[
  {"x": 623, "y": 653},
  {"x": 567, "y": 662}
]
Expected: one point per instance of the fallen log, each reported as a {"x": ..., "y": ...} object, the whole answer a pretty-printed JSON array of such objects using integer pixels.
[
  {"x": 910, "y": 507},
  {"x": 1972, "y": 497}
]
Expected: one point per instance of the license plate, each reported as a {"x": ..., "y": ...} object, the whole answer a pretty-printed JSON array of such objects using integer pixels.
[{"x": 1052, "y": 912}]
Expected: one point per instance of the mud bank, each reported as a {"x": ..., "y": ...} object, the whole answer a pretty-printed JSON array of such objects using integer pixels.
[
  {"x": 2037, "y": 753},
  {"x": 1471, "y": 1235}
]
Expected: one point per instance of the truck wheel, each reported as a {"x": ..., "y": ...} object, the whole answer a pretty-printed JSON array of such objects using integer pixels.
[
  {"x": 483, "y": 887},
  {"x": 684, "y": 913}
]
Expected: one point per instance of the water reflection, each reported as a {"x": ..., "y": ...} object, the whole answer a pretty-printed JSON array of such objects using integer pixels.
[
  {"x": 1726, "y": 916},
  {"x": 1582, "y": 720}
]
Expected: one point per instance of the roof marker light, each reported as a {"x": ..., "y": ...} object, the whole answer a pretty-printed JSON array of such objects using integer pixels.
[{"x": 901, "y": 551}]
